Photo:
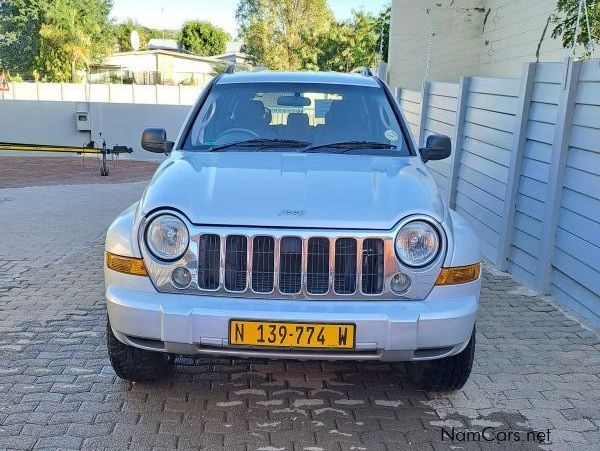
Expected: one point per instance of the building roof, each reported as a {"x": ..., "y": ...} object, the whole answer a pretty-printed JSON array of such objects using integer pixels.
[
  {"x": 222, "y": 56},
  {"x": 299, "y": 77},
  {"x": 174, "y": 54}
]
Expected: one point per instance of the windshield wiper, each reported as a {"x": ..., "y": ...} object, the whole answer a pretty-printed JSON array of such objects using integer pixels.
[
  {"x": 351, "y": 145},
  {"x": 261, "y": 142}
]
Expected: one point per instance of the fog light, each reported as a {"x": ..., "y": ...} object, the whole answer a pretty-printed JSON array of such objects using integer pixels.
[
  {"x": 181, "y": 277},
  {"x": 400, "y": 283}
]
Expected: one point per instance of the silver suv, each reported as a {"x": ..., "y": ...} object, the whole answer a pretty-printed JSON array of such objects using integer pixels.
[{"x": 293, "y": 219}]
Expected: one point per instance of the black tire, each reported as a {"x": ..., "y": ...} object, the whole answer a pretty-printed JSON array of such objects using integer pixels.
[
  {"x": 133, "y": 364},
  {"x": 448, "y": 374}
]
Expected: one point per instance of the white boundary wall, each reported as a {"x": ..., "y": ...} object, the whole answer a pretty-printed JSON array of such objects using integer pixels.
[
  {"x": 45, "y": 113},
  {"x": 108, "y": 93},
  {"x": 525, "y": 170}
]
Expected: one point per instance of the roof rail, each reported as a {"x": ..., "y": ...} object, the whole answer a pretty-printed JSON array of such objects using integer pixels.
[
  {"x": 363, "y": 70},
  {"x": 230, "y": 69}
]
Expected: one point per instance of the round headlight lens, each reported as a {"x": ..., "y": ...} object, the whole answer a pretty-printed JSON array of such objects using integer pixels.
[
  {"x": 167, "y": 237},
  {"x": 417, "y": 243}
]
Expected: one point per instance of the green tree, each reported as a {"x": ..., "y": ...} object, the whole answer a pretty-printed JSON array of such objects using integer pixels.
[
  {"x": 280, "y": 34},
  {"x": 349, "y": 44},
  {"x": 51, "y": 39},
  {"x": 20, "y": 22},
  {"x": 203, "y": 38},
  {"x": 383, "y": 25},
  {"x": 565, "y": 23},
  {"x": 122, "y": 32},
  {"x": 74, "y": 33},
  {"x": 155, "y": 33}
]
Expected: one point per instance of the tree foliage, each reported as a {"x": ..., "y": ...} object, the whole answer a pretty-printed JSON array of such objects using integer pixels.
[
  {"x": 74, "y": 34},
  {"x": 565, "y": 23},
  {"x": 51, "y": 40},
  {"x": 20, "y": 22},
  {"x": 383, "y": 25},
  {"x": 203, "y": 38},
  {"x": 303, "y": 34},
  {"x": 275, "y": 31},
  {"x": 346, "y": 45},
  {"x": 122, "y": 32}
]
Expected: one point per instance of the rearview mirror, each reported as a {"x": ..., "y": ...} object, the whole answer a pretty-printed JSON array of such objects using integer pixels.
[
  {"x": 155, "y": 140},
  {"x": 437, "y": 147},
  {"x": 293, "y": 101}
]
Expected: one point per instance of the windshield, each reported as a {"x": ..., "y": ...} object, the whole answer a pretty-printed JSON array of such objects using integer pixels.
[{"x": 296, "y": 117}]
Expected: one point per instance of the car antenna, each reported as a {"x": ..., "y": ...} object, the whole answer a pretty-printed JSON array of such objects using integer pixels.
[{"x": 230, "y": 69}]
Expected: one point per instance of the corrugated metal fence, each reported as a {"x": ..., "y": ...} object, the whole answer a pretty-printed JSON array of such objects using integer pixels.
[{"x": 525, "y": 171}]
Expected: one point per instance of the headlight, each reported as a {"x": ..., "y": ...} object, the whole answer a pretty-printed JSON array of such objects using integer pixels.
[
  {"x": 167, "y": 237},
  {"x": 417, "y": 243}
]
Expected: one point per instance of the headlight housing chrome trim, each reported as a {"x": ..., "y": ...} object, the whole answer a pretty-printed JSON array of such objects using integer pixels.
[
  {"x": 182, "y": 243},
  {"x": 428, "y": 227}
]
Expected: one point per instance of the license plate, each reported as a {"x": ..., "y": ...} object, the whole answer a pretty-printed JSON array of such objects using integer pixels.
[{"x": 291, "y": 335}]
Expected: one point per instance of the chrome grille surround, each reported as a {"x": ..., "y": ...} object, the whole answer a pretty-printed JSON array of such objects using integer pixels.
[{"x": 423, "y": 279}]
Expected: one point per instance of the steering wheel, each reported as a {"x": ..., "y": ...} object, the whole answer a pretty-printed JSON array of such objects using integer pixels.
[{"x": 232, "y": 131}]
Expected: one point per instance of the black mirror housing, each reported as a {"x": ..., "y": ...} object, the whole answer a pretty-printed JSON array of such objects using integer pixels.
[
  {"x": 155, "y": 140},
  {"x": 437, "y": 147}
]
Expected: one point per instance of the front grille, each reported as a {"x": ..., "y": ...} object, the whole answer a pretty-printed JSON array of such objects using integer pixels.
[
  {"x": 345, "y": 266},
  {"x": 317, "y": 272},
  {"x": 236, "y": 262},
  {"x": 263, "y": 264},
  {"x": 372, "y": 266},
  {"x": 209, "y": 262},
  {"x": 291, "y": 265}
]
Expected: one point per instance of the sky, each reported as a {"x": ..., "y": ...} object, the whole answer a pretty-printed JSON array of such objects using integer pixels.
[{"x": 171, "y": 14}]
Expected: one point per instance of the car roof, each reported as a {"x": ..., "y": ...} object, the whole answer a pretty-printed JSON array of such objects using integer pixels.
[{"x": 336, "y": 78}]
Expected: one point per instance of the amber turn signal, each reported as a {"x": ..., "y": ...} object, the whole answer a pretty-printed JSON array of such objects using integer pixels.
[
  {"x": 126, "y": 265},
  {"x": 458, "y": 274}
]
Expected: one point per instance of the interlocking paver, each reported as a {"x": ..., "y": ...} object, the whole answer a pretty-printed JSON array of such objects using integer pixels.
[{"x": 535, "y": 368}]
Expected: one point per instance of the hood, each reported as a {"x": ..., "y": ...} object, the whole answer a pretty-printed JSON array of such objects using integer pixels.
[{"x": 293, "y": 190}]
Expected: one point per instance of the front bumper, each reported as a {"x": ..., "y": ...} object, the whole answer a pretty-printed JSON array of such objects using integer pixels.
[{"x": 437, "y": 327}]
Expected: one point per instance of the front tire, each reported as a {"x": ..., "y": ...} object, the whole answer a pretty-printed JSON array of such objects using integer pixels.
[
  {"x": 133, "y": 364},
  {"x": 447, "y": 374}
]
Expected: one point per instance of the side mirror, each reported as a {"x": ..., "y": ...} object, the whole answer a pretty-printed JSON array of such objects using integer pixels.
[
  {"x": 437, "y": 147},
  {"x": 155, "y": 140}
]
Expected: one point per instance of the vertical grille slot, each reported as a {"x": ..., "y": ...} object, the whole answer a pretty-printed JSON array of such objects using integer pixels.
[
  {"x": 209, "y": 262},
  {"x": 344, "y": 281},
  {"x": 290, "y": 265},
  {"x": 372, "y": 266},
  {"x": 263, "y": 260},
  {"x": 317, "y": 267},
  {"x": 236, "y": 262}
]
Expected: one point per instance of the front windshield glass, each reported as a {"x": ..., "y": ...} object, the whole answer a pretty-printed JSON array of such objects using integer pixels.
[{"x": 296, "y": 117}]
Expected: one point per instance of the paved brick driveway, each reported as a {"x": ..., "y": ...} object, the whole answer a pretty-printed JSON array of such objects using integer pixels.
[
  {"x": 18, "y": 171},
  {"x": 536, "y": 368}
]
